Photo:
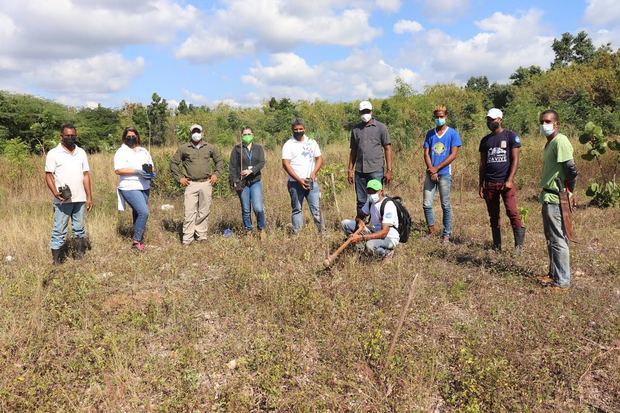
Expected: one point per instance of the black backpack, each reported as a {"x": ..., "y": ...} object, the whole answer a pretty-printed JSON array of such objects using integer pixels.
[{"x": 404, "y": 219}]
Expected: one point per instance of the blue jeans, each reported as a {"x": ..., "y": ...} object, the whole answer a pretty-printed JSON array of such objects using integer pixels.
[
  {"x": 430, "y": 188},
  {"x": 251, "y": 198},
  {"x": 138, "y": 200},
  {"x": 378, "y": 247},
  {"x": 62, "y": 213},
  {"x": 557, "y": 245},
  {"x": 298, "y": 193},
  {"x": 361, "y": 180}
]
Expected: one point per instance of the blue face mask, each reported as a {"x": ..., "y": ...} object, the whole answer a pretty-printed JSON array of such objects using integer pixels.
[{"x": 440, "y": 121}]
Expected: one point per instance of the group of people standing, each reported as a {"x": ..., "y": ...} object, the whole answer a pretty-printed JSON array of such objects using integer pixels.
[{"x": 197, "y": 164}]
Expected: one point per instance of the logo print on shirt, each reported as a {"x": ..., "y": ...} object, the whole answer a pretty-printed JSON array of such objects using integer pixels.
[
  {"x": 439, "y": 148},
  {"x": 497, "y": 155}
]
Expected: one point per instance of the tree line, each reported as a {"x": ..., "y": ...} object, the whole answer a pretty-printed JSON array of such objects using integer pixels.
[{"x": 582, "y": 84}]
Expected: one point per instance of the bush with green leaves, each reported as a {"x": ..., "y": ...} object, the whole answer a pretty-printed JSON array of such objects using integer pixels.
[{"x": 605, "y": 192}]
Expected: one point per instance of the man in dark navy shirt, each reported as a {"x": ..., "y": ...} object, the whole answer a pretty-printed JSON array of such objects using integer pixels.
[{"x": 499, "y": 159}]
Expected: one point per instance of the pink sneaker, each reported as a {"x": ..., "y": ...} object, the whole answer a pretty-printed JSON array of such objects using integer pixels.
[{"x": 138, "y": 246}]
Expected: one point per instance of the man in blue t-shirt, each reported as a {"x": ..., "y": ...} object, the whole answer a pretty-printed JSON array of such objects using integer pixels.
[
  {"x": 499, "y": 159},
  {"x": 440, "y": 147}
]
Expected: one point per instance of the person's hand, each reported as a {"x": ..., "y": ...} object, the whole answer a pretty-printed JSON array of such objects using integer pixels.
[
  {"x": 481, "y": 191},
  {"x": 213, "y": 179},
  {"x": 59, "y": 197},
  {"x": 435, "y": 177},
  {"x": 388, "y": 176},
  {"x": 303, "y": 184},
  {"x": 89, "y": 204},
  {"x": 359, "y": 223},
  {"x": 508, "y": 185},
  {"x": 350, "y": 176},
  {"x": 184, "y": 181},
  {"x": 245, "y": 172},
  {"x": 431, "y": 170},
  {"x": 355, "y": 238},
  {"x": 574, "y": 200}
]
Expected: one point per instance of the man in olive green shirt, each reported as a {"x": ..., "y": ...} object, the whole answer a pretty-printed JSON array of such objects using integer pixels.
[
  {"x": 558, "y": 165},
  {"x": 191, "y": 167}
]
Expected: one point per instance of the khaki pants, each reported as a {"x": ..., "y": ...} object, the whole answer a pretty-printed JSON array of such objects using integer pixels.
[{"x": 197, "y": 208}]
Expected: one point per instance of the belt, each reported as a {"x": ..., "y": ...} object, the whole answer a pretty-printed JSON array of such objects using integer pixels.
[{"x": 200, "y": 180}]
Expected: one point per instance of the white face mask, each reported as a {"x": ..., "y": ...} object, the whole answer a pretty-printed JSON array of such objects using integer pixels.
[
  {"x": 374, "y": 198},
  {"x": 547, "y": 129},
  {"x": 366, "y": 117},
  {"x": 196, "y": 137}
]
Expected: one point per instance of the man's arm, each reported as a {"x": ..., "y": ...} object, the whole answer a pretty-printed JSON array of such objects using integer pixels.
[
  {"x": 570, "y": 171},
  {"x": 318, "y": 162},
  {"x": 89, "y": 191},
  {"x": 514, "y": 164},
  {"x": 219, "y": 164},
  {"x": 233, "y": 166},
  {"x": 51, "y": 184},
  {"x": 352, "y": 158},
  {"x": 385, "y": 228},
  {"x": 481, "y": 168},
  {"x": 387, "y": 149}
]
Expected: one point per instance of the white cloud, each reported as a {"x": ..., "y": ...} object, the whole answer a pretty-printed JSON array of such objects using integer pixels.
[
  {"x": 195, "y": 98},
  {"x": 404, "y": 26},
  {"x": 244, "y": 26},
  {"x": 602, "y": 13},
  {"x": 86, "y": 79},
  {"x": 72, "y": 47},
  {"x": 360, "y": 75},
  {"x": 389, "y": 5},
  {"x": 604, "y": 17},
  {"x": 495, "y": 52}
]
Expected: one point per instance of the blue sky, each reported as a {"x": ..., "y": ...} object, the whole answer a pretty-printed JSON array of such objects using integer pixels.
[{"x": 241, "y": 52}]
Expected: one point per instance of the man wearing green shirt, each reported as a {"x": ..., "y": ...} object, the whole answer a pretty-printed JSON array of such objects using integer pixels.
[
  {"x": 558, "y": 166},
  {"x": 191, "y": 167}
]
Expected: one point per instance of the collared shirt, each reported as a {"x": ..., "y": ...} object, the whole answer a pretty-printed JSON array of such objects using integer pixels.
[
  {"x": 125, "y": 157},
  {"x": 302, "y": 155},
  {"x": 367, "y": 141},
  {"x": 68, "y": 169},
  {"x": 195, "y": 162}
]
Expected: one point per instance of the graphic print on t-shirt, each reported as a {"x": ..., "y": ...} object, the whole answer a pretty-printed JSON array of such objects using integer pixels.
[
  {"x": 439, "y": 148},
  {"x": 497, "y": 155}
]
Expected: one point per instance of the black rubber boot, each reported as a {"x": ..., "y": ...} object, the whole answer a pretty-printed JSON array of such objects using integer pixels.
[
  {"x": 497, "y": 238},
  {"x": 80, "y": 248},
  {"x": 58, "y": 256},
  {"x": 519, "y": 234}
]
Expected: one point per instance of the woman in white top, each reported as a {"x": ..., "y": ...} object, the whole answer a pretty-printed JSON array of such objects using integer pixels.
[{"x": 134, "y": 166}]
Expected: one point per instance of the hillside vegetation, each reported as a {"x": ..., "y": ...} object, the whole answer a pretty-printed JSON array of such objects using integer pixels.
[{"x": 237, "y": 324}]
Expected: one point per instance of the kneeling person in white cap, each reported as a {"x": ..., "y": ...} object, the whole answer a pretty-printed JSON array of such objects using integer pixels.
[{"x": 381, "y": 236}]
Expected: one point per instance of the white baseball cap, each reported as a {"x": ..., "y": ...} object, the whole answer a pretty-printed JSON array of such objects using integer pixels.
[
  {"x": 495, "y": 113},
  {"x": 364, "y": 104},
  {"x": 195, "y": 126}
]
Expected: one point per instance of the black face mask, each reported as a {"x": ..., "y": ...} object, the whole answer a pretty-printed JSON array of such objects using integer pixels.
[
  {"x": 131, "y": 141},
  {"x": 69, "y": 143},
  {"x": 298, "y": 135},
  {"x": 493, "y": 126}
]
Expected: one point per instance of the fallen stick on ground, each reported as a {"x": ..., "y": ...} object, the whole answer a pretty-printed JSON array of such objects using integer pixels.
[{"x": 401, "y": 321}]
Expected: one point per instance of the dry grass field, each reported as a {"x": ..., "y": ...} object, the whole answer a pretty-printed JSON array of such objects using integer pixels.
[{"x": 237, "y": 324}]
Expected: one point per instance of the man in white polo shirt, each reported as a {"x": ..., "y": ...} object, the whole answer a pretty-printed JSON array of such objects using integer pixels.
[
  {"x": 301, "y": 159},
  {"x": 67, "y": 177}
]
